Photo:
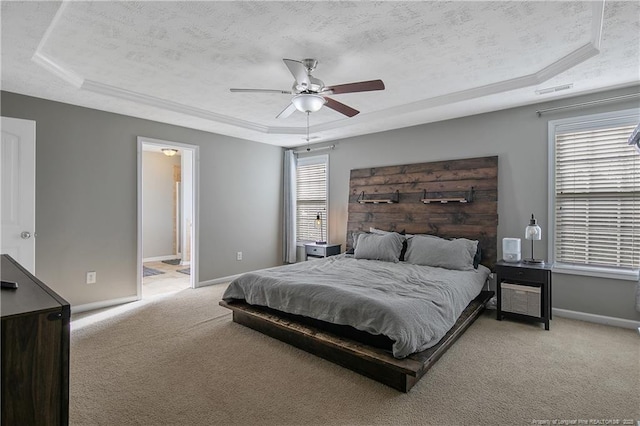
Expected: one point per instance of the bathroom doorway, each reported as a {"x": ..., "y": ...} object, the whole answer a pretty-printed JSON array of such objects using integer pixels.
[{"x": 167, "y": 217}]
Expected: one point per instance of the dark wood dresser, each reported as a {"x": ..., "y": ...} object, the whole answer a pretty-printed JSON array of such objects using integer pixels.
[{"x": 35, "y": 351}]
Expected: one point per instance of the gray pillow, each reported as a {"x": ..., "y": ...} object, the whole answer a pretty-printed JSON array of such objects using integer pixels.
[
  {"x": 472, "y": 246},
  {"x": 438, "y": 252},
  {"x": 379, "y": 247},
  {"x": 355, "y": 236}
]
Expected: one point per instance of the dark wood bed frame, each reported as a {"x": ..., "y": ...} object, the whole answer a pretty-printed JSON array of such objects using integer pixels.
[
  {"x": 475, "y": 220},
  {"x": 378, "y": 364}
]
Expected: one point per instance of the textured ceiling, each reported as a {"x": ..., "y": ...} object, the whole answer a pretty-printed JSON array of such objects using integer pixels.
[{"x": 174, "y": 62}]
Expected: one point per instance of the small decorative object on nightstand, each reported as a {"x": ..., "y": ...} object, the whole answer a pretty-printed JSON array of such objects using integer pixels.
[
  {"x": 316, "y": 250},
  {"x": 511, "y": 249},
  {"x": 524, "y": 291}
]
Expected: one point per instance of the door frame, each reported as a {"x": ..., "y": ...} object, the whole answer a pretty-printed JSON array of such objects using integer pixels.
[{"x": 195, "y": 206}]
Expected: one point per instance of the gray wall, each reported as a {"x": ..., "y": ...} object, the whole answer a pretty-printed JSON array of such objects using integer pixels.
[
  {"x": 157, "y": 198},
  {"x": 519, "y": 138},
  {"x": 86, "y": 198}
]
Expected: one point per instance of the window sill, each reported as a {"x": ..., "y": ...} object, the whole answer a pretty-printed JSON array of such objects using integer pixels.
[{"x": 596, "y": 271}]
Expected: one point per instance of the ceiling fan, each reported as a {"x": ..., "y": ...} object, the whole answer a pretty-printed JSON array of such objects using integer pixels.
[{"x": 311, "y": 93}]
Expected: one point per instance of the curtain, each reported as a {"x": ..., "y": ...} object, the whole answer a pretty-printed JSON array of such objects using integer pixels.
[
  {"x": 634, "y": 139},
  {"x": 289, "y": 244}
]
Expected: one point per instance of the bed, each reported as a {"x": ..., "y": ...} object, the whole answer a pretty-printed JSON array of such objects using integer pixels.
[
  {"x": 396, "y": 308},
  {"x": 391, "y": 308}
]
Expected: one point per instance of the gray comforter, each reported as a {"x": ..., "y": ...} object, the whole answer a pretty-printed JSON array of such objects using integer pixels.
[{"x": 413, "y": 305}]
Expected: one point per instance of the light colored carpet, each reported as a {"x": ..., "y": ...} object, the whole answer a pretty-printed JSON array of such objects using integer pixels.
[{"x": 180, "y": 360}]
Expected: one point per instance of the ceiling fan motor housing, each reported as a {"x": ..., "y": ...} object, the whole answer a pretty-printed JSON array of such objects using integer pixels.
[{"x": 316, "y": 86}]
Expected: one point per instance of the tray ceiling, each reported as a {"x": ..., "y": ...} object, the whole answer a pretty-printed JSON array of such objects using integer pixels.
[{"x": 174, "y": 62}]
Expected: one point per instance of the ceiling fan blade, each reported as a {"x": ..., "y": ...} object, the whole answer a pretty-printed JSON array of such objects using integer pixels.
[
  {"x": 287, "y": 111},
  {"x": 340, "y": 107},
  {"x": 284, "y": 92},
  {"x": 361, "y": 86},
  {"x": 299, "y": 72}
]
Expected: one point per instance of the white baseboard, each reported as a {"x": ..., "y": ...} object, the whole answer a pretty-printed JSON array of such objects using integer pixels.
[
  {"x": 113, "y": 302},
  {"x": 161, "y": 258},
  {"x": 599, "y": 319},
  {"x": 218, "y": 280},
  {"x": 102, "y": 304}
]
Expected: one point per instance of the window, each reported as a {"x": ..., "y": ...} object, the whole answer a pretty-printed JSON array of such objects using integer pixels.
[
  {"x": 595, "y": 190},
  {"x": 311, "y": 197}
]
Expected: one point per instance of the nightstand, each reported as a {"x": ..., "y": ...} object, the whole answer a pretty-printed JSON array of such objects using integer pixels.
[
  {"x": 524, "y": 291},
  {"x": 321, "y": 250}
]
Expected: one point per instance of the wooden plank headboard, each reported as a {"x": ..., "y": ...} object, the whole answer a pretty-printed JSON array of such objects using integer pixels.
[{"x": 477, "y": 220}]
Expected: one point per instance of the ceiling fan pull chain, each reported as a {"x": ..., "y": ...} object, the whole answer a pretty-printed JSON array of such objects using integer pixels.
[{"x": 308, "y": 149}]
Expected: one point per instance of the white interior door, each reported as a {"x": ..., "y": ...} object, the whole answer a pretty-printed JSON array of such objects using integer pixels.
[{"x": 18, "y": 174}]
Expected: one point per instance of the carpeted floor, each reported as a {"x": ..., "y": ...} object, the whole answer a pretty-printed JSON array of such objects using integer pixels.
[{"x": 180, "y": 360}]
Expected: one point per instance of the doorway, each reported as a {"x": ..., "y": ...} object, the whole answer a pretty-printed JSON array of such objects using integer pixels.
[{"x": 167, "y": 216}]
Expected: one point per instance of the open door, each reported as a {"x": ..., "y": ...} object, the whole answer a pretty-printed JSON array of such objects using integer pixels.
[{"x": 18, "y": 162}]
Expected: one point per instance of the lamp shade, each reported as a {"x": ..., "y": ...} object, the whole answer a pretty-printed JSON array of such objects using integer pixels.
[
  {"x": 307, "y": 102},
  {"x": 533, "y": 231}
]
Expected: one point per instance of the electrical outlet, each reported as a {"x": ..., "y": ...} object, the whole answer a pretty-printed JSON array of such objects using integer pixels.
[
  {"x": 91, "y": 277},
  {"x": 239, "y": 255}
]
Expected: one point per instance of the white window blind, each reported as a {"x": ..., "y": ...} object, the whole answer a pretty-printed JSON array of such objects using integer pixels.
[
  {"x": 597, "y": 197},
  {"x": 311, "y": 187}
]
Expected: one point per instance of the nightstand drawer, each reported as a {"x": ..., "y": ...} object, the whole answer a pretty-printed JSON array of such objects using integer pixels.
[
  {"x": 316, "y": 250},
  {"x": 516, "y": 274},
  {"x": 321, "y": 250}
]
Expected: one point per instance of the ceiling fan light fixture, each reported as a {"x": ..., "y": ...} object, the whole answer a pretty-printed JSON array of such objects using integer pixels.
[
  {"x": 169, "y": 152},
  {"x": 308, "y": 102}
]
